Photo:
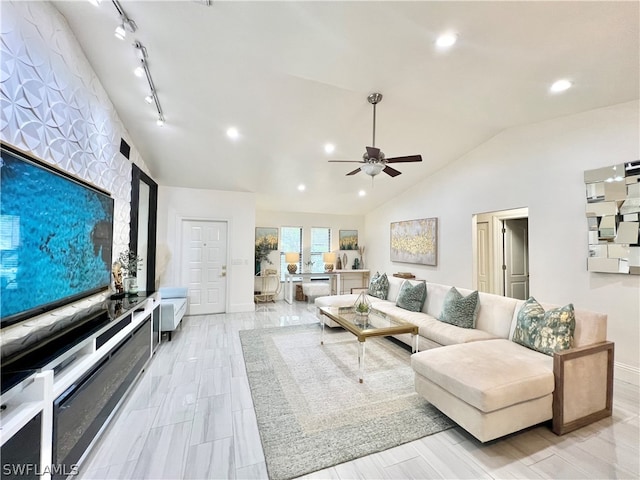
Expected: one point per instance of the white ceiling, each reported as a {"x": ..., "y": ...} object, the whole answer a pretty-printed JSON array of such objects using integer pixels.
[{"x": 292, "y": 76}]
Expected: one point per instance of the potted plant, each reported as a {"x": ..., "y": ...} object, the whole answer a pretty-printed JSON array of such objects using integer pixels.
[
  {"x": 130, "y": 263},
  {"x": 362, "y": 306}
]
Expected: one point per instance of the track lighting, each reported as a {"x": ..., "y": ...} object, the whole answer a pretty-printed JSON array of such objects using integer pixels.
[
  {"x": 120, "y": 32},
  {"x": 142, "y": 70}
]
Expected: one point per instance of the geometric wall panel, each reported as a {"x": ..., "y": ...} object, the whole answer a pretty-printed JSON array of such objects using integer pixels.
[{"x": 52, "y": 105}]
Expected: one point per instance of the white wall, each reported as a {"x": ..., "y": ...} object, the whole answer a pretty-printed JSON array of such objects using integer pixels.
[
  {"x": 237, "y": 209},
  {"x": 540, "y": 167},
  {"x": 309, "y": 220}
]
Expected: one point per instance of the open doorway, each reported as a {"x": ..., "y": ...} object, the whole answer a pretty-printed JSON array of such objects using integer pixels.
[{"x": 501, "y": 252}]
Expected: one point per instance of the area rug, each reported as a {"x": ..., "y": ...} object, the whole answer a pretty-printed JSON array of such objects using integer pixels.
[{"x": 312, "y": 412}]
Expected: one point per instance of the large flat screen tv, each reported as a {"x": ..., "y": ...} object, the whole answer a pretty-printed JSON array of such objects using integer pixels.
[{"x": 56, "y": 235}]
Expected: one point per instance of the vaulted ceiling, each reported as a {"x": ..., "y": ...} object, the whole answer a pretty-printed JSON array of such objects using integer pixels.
[{"x": 293, "y": 76}]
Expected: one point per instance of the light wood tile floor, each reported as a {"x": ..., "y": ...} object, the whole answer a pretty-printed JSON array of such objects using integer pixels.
[{"x": 191, "y": 416}]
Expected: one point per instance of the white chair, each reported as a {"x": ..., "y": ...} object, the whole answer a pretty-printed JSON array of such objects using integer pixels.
[{"x": 270, "y": 286}]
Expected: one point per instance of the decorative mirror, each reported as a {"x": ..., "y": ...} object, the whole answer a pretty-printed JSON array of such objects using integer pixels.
[{"x": 144, "y": 216}]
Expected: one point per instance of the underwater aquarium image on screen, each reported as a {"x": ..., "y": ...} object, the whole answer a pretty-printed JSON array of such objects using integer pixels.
[{"x": 55, "y": 238}]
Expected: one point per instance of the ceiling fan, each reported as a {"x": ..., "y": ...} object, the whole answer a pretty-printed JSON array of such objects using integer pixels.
[{"x": 373, "y": 159}]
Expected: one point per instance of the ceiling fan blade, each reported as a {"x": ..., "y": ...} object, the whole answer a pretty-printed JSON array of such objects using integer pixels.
[
  {"x": 354, "y": 172},
  {"x": 410, "y": 158},
  {"x": 346, "y": 161},
  {"x": 391, "y": 171},
  {"x": 373, "y": 152}
]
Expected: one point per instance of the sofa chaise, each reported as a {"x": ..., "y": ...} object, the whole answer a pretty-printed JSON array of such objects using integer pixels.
[{"x": 485, "y": 381}]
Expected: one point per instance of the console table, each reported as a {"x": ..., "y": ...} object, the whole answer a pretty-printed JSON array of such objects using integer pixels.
[
  {"x": 60, "y": 392},
  {"x": 335, "y": 276}
]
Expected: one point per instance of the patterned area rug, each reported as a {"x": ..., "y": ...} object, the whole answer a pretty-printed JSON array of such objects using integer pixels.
[{"x": 312, "y": 412}]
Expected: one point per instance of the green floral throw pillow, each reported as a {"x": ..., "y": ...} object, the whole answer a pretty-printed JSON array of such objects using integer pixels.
[
  {"x": 412, "y": 297},
  {"x": 458, "y": 310},
  {"x": 545, "y": 332},
  {"x": 379, "y": 286}
]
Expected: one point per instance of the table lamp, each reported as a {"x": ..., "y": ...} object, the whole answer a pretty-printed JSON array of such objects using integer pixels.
[
  {"x": 329, "y": 259},
  {"x": 292, "y": 258}
]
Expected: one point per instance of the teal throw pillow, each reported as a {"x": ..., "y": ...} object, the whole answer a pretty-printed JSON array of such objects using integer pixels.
[
  {"x": 412, "y": 297},
  {"x": 379, "y": 286},
  {"x": 546, "y": 332},
  {"x": 458, "y": 310}
]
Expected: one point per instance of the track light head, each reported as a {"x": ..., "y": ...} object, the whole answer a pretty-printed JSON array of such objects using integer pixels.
[
  {"x": 160, "y": 121},
  {"x": 149, "y": 98},
  {"x": 120, "y": 32}
]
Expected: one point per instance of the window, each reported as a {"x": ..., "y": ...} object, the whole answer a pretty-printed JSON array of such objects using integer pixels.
[
  {"x": 290, "y": 241},
  {"x": 320, "y": 243}
]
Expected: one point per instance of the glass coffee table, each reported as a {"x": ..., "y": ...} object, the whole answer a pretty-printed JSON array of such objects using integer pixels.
[{"x": 375, "y": 324}]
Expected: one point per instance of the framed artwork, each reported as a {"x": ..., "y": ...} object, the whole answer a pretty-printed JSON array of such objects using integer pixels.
[
  {"x": 267, "y": 236},
  {"x": 415, "y": 241},
  {"x": 348, "y": 240}
]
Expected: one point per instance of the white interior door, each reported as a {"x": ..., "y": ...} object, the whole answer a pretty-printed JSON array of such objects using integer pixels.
[
  {"x": 483, "y": 255},
  {"x": 204, "y": 265},
  {"x": 516, "y": 258}
]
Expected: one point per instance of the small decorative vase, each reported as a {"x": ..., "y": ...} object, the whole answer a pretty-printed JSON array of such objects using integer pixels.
[{"x": 131, "y": 285}]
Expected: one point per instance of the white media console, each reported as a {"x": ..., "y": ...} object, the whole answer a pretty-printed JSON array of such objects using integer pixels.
[{"x": 53, "y": 412}]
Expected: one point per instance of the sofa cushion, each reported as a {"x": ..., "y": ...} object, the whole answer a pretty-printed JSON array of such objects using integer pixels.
[
  {"x": 412, "y": 297},
  {"x": 431, "y": 328},
  {"x": 458, "y": 310},
  {"x": 395, "y": 284},
  {"x": 489, "y": 375},
  {"x": 379, "y": 286},
  {"x": 545, "y": 331}
]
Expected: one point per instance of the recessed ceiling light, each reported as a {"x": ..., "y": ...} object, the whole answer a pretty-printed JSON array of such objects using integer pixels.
[
  {"x": 302, "y": 188},
  {"x": 362, "y": 193},
  {"x": 232, "y": 132},
  {"x": 561, "y": 86},
  {"x": 139, "y": 72},
  {"x": 447, "y": 40},
  {"x": 329, "y": 148}
]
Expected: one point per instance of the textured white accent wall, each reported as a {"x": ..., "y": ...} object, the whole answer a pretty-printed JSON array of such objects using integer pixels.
[
  {"x": 539, "y": 166},
  {"x": 54, "y": 107}
]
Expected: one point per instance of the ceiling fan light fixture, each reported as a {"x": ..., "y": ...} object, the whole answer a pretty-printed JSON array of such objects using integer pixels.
[
  {"x": 329, "y": 148},
  {"x": 372, "y": 169}
]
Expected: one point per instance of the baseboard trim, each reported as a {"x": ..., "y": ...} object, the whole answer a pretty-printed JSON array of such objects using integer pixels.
[
  {"x": 241, "y": 307},
  {"x": 627, "y": 373}
]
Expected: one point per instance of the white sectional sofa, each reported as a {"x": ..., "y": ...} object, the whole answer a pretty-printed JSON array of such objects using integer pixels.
[{"x": 487, "y": 383}]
